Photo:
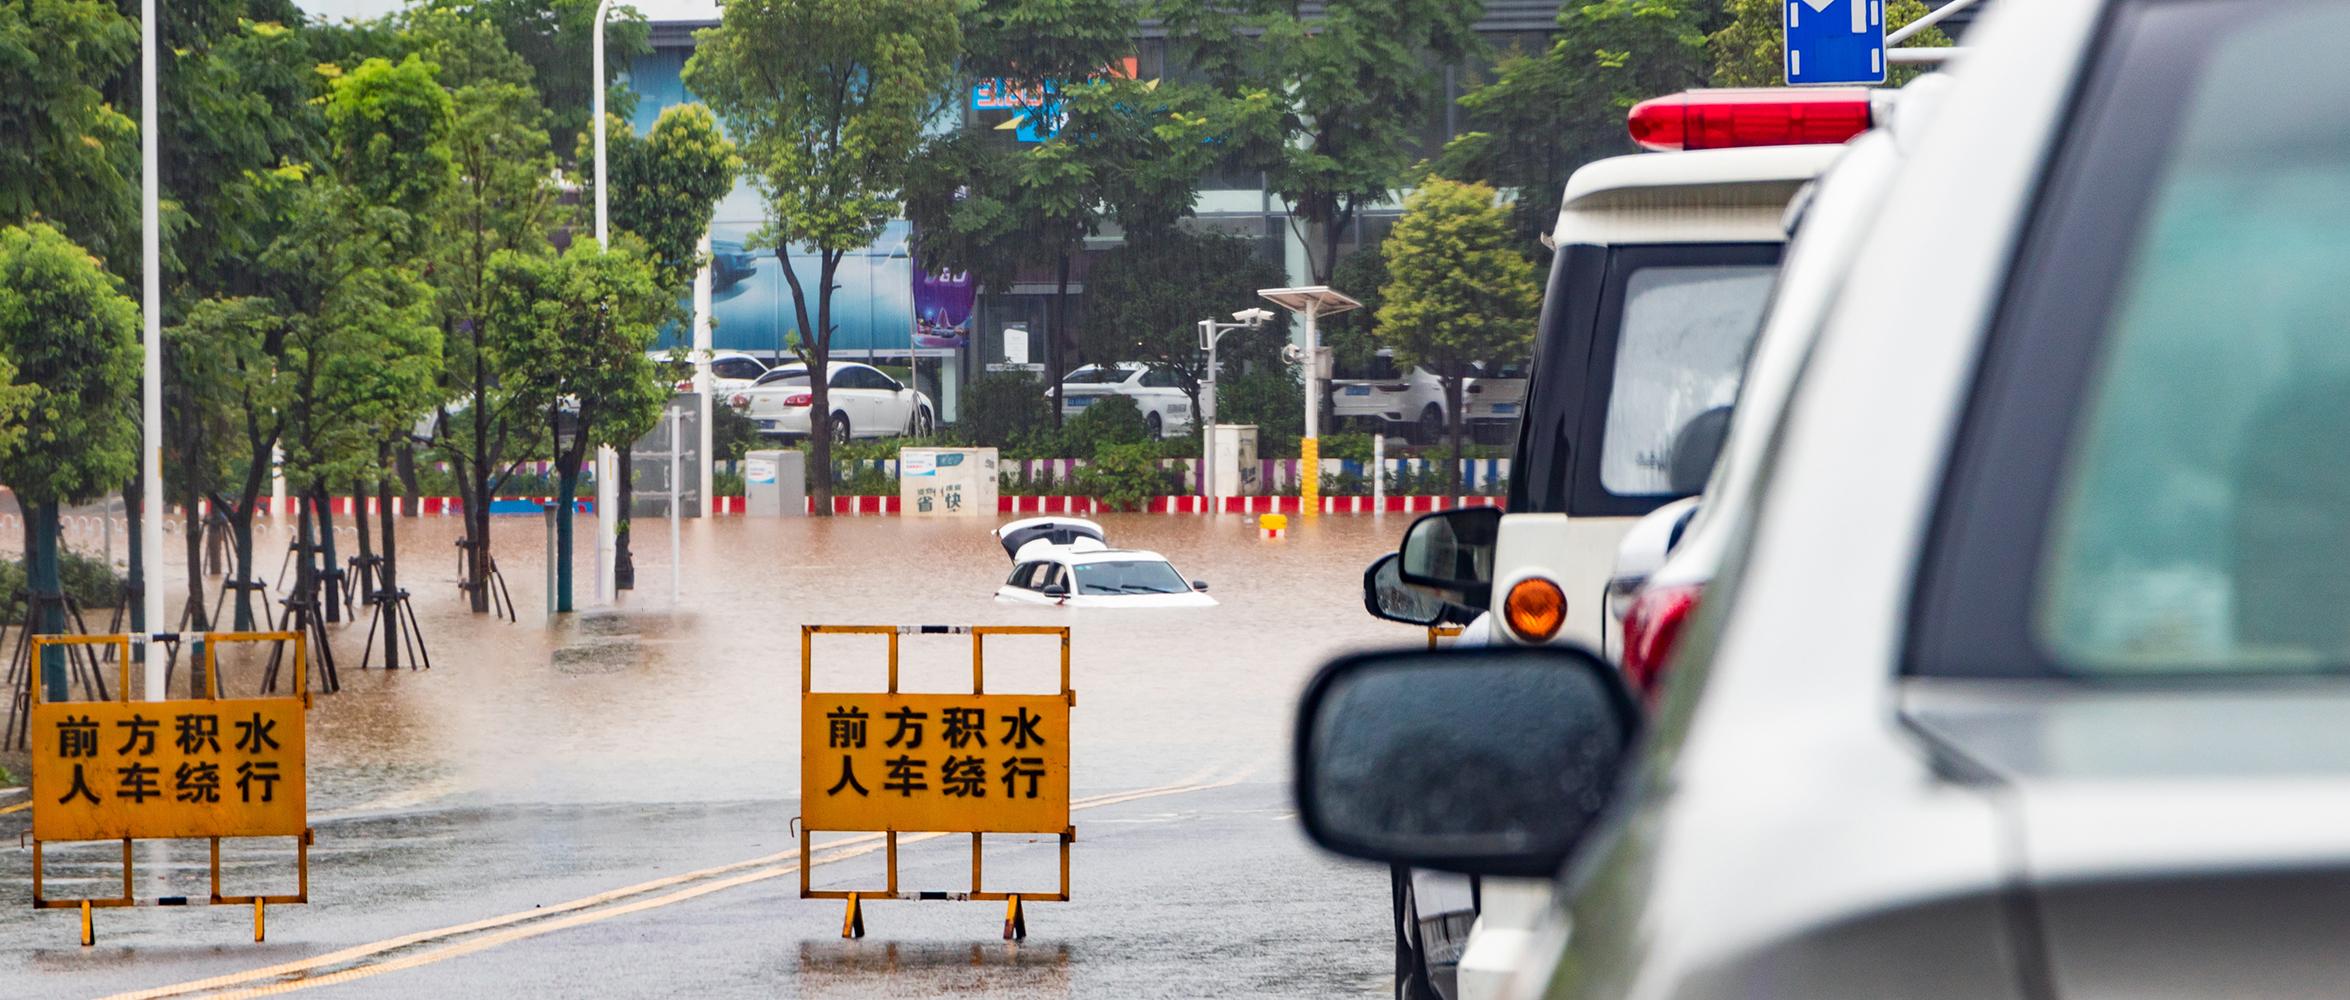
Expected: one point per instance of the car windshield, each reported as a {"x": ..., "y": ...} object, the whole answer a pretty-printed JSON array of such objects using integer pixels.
[
  {"x": 1096, "y": 376},
  {"x": 1129, "y": 576}
]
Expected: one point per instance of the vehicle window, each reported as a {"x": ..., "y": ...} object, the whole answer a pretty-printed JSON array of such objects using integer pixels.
[
  {"x": 2202, "y": 520},
  {"x": 851, "y": 378},
  {"x": 1022, "y": 575},
  {"x": 1048, "y": 575},
  {"x": 1097, "y": 376},
  {"x": 1129, "y": 576},
  {"x": 780, "y": 377},
  {"x": 1682, "y": 347},
  {"x": 736, "y": 368},
  {"x": 1161, "y": 378}
]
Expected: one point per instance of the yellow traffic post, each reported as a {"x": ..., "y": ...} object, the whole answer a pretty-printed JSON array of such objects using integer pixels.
[
  {"x": 203, "y": 767},
  {"x": 915, "y": 762}
]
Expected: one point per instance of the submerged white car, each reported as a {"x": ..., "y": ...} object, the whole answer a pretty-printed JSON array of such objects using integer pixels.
[{"x": 1065, "y": 561}]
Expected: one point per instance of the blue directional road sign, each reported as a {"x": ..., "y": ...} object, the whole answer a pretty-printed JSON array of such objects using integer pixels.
[{"x": 1835, "y": 41}]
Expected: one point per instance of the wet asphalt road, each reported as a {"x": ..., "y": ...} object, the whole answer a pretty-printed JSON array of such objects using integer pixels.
[{"x": 602, "y": 806}]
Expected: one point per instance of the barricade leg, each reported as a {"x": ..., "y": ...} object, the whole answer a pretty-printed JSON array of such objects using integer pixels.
[
  {"x": 260, "y": 907},
  {"x": 89, "y": 935},
  {"x": 852, "y": 924},
  {"x": 1015, "y": 922}
]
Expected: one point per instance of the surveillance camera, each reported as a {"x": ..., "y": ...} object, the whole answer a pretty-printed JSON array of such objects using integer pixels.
[{"x": 1254, "y": 317}]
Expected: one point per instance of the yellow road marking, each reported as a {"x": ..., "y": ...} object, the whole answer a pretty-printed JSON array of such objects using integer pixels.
[
  {"x": 766, "y": 867},
  {"x": 19, "y": 807}
]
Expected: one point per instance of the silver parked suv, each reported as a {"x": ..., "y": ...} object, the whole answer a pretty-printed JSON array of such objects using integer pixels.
[{"x": 2027, "y": 670}]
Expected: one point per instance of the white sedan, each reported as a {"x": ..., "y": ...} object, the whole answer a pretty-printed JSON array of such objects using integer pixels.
[
  {"x": 730, "y": 372},
  {"x": 1156, "y": 390},
  {"x": 865, "y": 403},
  {"x": 1064, "y": 562}
]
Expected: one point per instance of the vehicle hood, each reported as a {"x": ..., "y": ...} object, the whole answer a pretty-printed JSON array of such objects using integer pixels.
[
  {"x": 1194, "y": 599},
  {"x": 2177, "y": 841}
]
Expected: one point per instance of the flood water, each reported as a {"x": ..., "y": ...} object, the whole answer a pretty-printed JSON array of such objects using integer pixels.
[{"x": 697, "y": 698}]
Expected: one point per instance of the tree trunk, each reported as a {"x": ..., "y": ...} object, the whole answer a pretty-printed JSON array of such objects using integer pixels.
[
  {"x": 134, "y": 515},
  {"x": 567, "y": 486},
  {"x": 332, "y": 581},
  {"x": 472, "y": 495},
  {"x": 623, "y": 564},
  {"x": 195, "y": 536},
  {"x": 816, "y": 337},
  {"x": 44, "y": 588},
  {"x": 365, "y": 583},
  {"x": 305, "y": 571},
  {"x": 405, "y": 463},
  {"x": 389, "y": 583},
  {"x": 241, "y": 531},
  {"x": 1452, "y": 413},
  {"x": 1056, "y": 320}
]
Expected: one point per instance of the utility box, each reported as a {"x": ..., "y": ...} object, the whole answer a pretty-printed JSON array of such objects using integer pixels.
[
  {"x": 1232, "y": 454},
  {"x": 775, "y": 484},
  {"x": 947, "y": 482}
]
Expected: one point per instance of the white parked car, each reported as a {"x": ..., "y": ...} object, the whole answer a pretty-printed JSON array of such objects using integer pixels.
[
  {"x": 1156, "y": 390},
  {"x": 1412, "y": 403},
  {"x": 865, "y": 402},
  {"x": 1065, "y": 561},
  {"x": 730, "y": 372}
]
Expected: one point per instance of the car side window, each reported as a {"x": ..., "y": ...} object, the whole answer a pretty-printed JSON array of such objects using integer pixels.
[
  {"x": 1161, "y": 378},
  {"x": 2160, "y": 448},
  {"x": 737, "y": 368},
  {"x": 848, "y": 378},
  {"x": 1021, "y": 575}
]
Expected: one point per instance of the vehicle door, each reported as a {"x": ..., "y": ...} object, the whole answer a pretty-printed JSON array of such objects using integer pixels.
[
  {"x": 1160, "y": 390},
  {"x": 853, "y": 394}
]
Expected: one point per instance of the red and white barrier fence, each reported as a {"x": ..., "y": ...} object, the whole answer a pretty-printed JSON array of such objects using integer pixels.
[{"x": 880, "y": 506}]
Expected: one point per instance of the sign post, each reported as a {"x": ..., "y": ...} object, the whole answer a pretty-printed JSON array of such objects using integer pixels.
[
  {"x": 208, "y": 767},
  {"x": 1835, "y": 42},
  {"x": 899, "y": 762}
]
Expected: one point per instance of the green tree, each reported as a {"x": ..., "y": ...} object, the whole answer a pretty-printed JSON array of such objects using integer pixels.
[
  {"x": 504, "y": 201},
  {"x": 571, "y": 333},
  {"x": 1751, "y": 49},
  {"x": 70, "y": 157},
  {"x": 552, "y": 37},
  {"x": 665, "y": 187},
  {"x": 828, "y": 99},
  {"x": 1118, "y": 150},
  {"x": 389, "y": 124},
  {"x": 1353, "y": 336},
  {"x": 1333, "y": 100},
  {"x": 1146, "y": 298},
  {"x": 1458, "y": 290},
  {"x": 73, "y": 341},
  {"x": 1544, "y": 114}
]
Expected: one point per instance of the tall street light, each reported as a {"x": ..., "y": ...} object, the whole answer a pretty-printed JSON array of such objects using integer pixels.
[
  {"x": 607, "y": 461},
  {"x": 1312, "y": 302},
  {"x": 1209, "y": 332},
  {"x": 151, "y": 339}
]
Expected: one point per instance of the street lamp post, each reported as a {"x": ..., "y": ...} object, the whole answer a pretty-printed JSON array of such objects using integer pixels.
[
  {"x": 151, "y": 379},
  {"x": 1211, "y": 331},
  {"x": 607, "y": 460},
  {"x": 1312, "y": 302}
]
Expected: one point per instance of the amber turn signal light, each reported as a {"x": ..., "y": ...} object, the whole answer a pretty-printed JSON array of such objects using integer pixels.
[{"x": 1535, "y": 609}]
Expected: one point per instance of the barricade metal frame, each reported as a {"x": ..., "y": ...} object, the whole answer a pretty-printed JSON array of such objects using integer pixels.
[
  {"x": 853, "y": 920},
  {"x": 209, "y": 642}
]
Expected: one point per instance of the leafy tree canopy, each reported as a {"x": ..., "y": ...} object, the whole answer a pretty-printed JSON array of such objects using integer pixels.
[
  {"x": 71, "y": 158},
  {"x": 1148, "y": 296},
  {"x": 72, "y": 339}
]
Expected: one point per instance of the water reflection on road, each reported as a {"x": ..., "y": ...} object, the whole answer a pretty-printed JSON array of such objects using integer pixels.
[{"x": 697, "y": 701}]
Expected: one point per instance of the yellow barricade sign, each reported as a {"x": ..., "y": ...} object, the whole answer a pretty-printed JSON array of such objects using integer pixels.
[
  {"x": 978, "y": 763},
  {"x": 896, "y": 762},
  {"x": 209, "y": 768},
  {"x": 158, "y": 769}
]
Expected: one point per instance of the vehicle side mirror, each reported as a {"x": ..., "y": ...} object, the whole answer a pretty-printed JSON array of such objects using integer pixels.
[
  {"x": 1200, "y": 585},
  {"x": 1695, "y": 449},
  {"x": 1484, "y": 761},
  {"x": 1055, "y": 590},
  {"x": 1452, "y": 551},
  {"x": 1388, "y": 598}
]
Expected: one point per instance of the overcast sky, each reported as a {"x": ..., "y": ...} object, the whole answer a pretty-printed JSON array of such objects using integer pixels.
[{"x": 655, "y": 10}]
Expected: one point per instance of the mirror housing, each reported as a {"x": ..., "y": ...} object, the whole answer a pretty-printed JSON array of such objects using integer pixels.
[
  {"x": 1494, "y": 760},
  {"x": 1055, "y": 590},
  {"x": 1200, "y": 585},
  {"x": 1644, "y": 550},
  {"x": 1388, "y": 598},
  {"x": 1452, "y": 551}
]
